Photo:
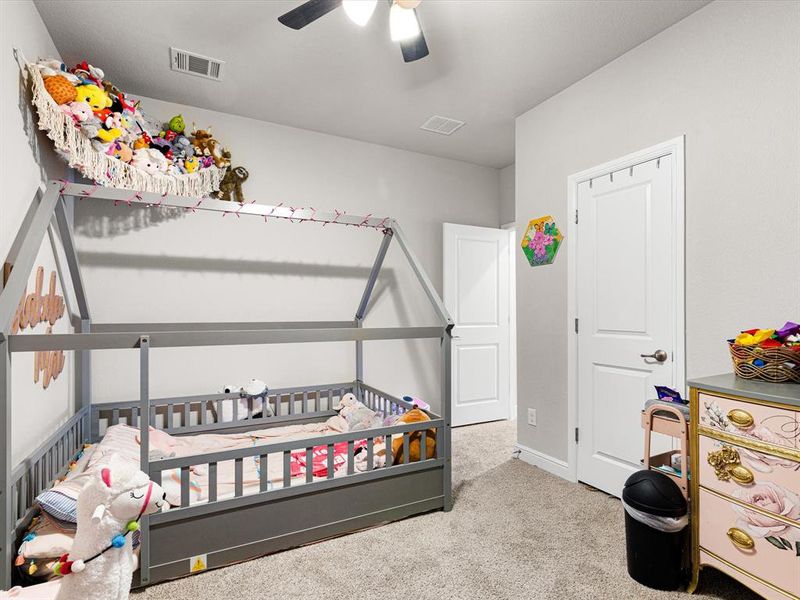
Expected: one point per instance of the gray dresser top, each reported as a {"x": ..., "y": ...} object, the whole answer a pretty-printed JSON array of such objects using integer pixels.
[{"x": 780, "y": 393}]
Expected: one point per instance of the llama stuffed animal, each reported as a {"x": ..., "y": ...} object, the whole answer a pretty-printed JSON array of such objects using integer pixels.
[{"x": 101, "y": 563}]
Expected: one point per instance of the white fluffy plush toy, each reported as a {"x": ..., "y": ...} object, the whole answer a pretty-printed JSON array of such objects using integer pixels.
[{"x": 101, "y": 563}]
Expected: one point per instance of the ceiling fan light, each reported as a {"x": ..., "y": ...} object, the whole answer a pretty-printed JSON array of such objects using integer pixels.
[
  {"x": 403, "y": 24},
  {"x": 359, "y": 11}
]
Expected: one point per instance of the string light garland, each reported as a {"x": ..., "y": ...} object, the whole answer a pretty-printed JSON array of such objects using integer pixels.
[{"x": 292, "y": 217}]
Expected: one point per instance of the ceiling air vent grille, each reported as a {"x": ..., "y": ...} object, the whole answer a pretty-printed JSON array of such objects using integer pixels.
[
  {"x": 442, "y": 125},
  {"x": 195, "y": 64}
]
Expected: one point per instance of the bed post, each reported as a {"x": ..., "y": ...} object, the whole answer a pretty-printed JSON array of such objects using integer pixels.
[
  {"x": 83, "y": 373},
  {"x": 361, "y": 311},
  {"x": 144, "y": 449},
  {"x": 6, "y": 517},
  {"x": 446, "y": 409}
]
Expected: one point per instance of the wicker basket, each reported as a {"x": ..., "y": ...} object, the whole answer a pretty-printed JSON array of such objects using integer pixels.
[{"x": 781, "y": 365}]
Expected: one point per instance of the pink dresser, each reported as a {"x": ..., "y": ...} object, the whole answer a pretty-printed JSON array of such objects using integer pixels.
[{"x": 745, "y": 492}]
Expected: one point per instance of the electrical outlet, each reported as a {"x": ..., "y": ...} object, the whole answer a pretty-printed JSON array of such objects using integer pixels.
[{"x": 532, "y": 417}]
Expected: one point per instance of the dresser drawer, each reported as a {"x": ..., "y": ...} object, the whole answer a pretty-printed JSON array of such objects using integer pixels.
[
  {"x": 750, "y": 476},
  {"x": 779, "y": 426},
  {"x": 737, "y": 535},
  {"x": 763, "y": 589}
]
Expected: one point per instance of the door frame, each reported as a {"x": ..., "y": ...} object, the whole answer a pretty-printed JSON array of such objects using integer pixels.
[
  {"x": 511, "y": 227},
  {"x": 675, "y": 148}
]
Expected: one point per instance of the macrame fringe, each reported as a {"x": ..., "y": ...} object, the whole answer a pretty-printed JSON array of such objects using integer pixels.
[{"x": 105, "y": 170}]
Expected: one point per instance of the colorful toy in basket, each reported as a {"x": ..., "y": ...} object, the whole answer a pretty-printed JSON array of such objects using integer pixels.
[
  {"x": 769, "y": 354},
  {"x": 101, "y": 563},
  {"x": 83, "y": 111}
]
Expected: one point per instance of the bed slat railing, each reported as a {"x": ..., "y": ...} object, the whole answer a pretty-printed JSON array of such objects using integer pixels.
[
  {"x": 42, "y": 467},
  {"x": 303, "y": 450},
  {"x": 197, "y": 414}
]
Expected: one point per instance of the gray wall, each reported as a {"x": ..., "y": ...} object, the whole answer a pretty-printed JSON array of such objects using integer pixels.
[
  {"x": 144, "y": 265},
  {"x": 507, "y": 177},
  {"x": 727, "y": 78},
  {"x": 26, "y": 160}
]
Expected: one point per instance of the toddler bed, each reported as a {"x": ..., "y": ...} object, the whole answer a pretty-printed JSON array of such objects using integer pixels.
[
  {"x": 51, "y": 532},
  {"x": 240, "y": 487}
]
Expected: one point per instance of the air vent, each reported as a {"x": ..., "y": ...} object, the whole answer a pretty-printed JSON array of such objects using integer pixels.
[
  {"x": 195, "y": 64},
  {"x": 442, "y": 125}
]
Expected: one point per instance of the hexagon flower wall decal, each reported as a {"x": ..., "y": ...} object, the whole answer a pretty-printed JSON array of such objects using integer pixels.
[{"x": 541, "y": 241}]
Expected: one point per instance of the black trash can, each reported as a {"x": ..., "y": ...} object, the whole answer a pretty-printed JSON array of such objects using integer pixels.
[{"x": 656, "y": 530}]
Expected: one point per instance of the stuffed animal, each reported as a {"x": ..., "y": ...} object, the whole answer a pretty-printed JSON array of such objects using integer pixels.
[
  {"x": 206, "y": 145},
  {"x": 101, "y": 563},
  {"x": 177, "y": 124},
  {"x": 79, "y": 111},
  {"x": 94, "y": 96},
  {"x": 89, "y": 74},
  {"x": 150, "y": 161},
  {"x": 50, "y": 68},
  {"x": 255, "y": 391},
  {"x": 121, "y": 151},
  {"x": 191, "y": 164},
  {"x": 414, "y": 415},
  {"x": 356, "y": 415},
  {"x": 231, "y": 184},
  {"x": 60, "y": 89}
]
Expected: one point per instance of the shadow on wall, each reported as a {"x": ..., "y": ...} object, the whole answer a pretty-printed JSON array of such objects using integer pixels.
[{"x": 108, "y": 221}]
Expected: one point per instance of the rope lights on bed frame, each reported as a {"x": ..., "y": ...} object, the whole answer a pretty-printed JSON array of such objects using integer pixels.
[{"x": 294, "y": 214}]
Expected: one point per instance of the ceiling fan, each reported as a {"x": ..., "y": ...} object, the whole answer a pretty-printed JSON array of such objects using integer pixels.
[{"x": 403, "y": 22}]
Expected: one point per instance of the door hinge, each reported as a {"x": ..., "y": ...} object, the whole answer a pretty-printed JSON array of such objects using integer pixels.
[
  {"x": 576, "y": 216},
  {"x": 576, "y": 324},
  {"x": 576, "y": 435}
]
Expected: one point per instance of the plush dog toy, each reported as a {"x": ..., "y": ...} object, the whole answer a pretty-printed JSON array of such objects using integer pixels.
[
  {"x": 101, "y": 563},
  {"x": 255, "y": 390},
  {"x": 414, "y": 415}
]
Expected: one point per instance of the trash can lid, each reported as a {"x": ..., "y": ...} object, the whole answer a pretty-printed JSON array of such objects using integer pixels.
[{"x": 654, "y": 493}]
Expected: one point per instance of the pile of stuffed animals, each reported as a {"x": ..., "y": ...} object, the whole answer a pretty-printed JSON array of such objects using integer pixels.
[
  {"x": 114, "y": 123},
  {"x": 787, "y": 336}
]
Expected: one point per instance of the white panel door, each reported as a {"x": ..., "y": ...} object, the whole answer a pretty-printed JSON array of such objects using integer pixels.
[
  {"x": 626, "y": 305},
  {"x": 476, "y": 293}
]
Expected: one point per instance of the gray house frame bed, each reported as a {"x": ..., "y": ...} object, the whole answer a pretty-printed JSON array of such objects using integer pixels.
[{"x": 238, "y": 526}]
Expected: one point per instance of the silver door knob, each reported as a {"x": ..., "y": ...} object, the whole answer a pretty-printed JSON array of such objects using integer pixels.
[{"x": 659, "y": 355}]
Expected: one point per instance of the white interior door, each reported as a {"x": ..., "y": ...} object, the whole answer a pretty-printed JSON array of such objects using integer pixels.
[
  {"x": 627, "y": 308},
  {"x": 476, "y": 293}
]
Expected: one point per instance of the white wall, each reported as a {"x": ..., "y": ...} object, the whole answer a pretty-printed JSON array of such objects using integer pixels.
[
  {"x": 141, "y": 266},
  {"x": 727, "y": 78},
  {"x": 26, "y": 160},
  {"x": 507, "y": 184}
]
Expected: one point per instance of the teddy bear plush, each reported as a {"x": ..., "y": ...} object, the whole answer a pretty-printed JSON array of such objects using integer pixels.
[
  {"x": 101, "y": 563},
  {"x": 414, "y": 415}
]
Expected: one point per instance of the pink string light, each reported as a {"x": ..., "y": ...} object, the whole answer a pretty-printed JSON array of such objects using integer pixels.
[{"x": 291, "y": 217}]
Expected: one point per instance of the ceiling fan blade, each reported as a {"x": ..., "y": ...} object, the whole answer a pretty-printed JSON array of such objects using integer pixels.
[
  {"x": 308, "y": 12},
  {"x": 416, "y": 47}
]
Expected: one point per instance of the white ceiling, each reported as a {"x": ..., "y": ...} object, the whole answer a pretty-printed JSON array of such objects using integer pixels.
[{"x": 490, "y": 61}]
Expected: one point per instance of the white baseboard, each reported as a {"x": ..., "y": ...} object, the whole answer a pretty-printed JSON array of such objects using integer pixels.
[{"x": 544, "y": 461}]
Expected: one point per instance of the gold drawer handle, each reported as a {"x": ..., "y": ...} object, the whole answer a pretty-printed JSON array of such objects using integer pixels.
[
  {"x": 727, "y": 465},
  {"x": 741, "y": 475},
  {"x": 740, "y": 539},
  {"x": 741, "y": 418}
]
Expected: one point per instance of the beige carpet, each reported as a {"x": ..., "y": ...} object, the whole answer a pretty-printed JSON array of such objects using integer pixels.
[{"x": 515, "y": 532}]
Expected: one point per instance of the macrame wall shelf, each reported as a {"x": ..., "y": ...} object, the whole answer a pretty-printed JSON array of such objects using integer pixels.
[{"x": 80, "y": 153}]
